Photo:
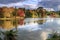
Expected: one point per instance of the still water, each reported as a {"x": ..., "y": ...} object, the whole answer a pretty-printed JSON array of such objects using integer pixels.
[{"x": 35, "y": 31}]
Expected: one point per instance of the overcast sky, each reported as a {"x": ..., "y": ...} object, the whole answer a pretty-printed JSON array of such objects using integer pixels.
[{"x": 32, "y": 4}]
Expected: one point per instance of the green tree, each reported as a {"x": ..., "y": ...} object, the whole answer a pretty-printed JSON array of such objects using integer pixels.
[{"x": 28, "y": 14}]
